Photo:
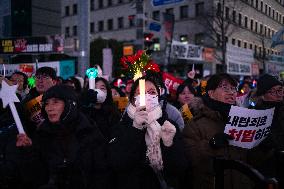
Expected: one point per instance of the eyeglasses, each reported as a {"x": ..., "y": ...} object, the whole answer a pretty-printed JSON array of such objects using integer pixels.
[
  {"x": 44, "y": 77},
  {"x": 228, "y": 89},
  {"x": 277, "y": 92}
]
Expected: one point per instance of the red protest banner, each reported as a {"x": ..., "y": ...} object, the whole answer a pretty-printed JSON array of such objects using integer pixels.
[{"x": 171, "y": 82}]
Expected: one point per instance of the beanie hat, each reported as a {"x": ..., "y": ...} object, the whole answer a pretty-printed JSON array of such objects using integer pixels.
[
  {"x": 46, "y": 71},
  {"x": 265, "y": 83},
  {"x": 65, "y": 93}
]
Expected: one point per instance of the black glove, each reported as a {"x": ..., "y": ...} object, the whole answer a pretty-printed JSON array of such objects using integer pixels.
[
  {"x": 92, "y": 96},
  {"x": 220, "y": 140}
]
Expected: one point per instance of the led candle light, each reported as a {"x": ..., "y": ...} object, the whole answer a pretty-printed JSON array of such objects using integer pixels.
[
  {"x": 142, "y": 92},
  {"x": 92, "y": 73}
]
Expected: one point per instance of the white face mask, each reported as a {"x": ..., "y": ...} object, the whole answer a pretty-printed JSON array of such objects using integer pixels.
[
  {"x": 101, "y": 96},
  {"x": 152, "y": 101}
]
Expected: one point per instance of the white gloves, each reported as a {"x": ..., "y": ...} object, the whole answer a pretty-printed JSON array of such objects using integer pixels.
[
  {"x": 168, "y": 132},
  {"x": 140, "y": 118}
]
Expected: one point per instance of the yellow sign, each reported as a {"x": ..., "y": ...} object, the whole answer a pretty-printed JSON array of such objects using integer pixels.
[
  {"x": 128, "y": 50},
  {"x": 121, "y": 103},
  {"x": 186, "y": 113},
  {"x": 33, "y": 108}
]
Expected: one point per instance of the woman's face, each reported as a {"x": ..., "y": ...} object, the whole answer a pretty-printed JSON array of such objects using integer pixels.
[
  {"x": 275, "y": 94},
  {"x": 114, "y": 93},
  {"x": 246, "y": 88},
  {"x": 225, "y": 93},
  {"x": 185, "y": 97},
  {"x": 149, "y": 89},
  {"x": 54, "y": 107},
  {"x": 101, "y": 85}
]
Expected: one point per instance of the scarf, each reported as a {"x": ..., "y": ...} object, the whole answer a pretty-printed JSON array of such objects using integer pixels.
[
  {"x": 152, "y": 136},
  {"x": 221, "y": 107}
]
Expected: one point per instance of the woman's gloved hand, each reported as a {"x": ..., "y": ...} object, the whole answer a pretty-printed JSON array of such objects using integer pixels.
[
  {"x": 140, "y": 117},
  {"x": 168, "y": 132}
]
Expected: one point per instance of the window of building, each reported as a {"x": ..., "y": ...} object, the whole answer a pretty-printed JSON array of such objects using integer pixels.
[
  {"x": 256, "y": 4},
  {"x": 265, "y": 31},
  {"x": 219, "y": 8},
  {"x": 251, "y": 24},
  {"x": 199, "y": 38},
  {"x": 273, "y": 12},
  {"x": 233, "y": 41},
  {"x": 184, "y": 39},
  {"x": 239, "y": 43},
  {"x": 240, "y": 19},
  {"x": 109, "y": 3},
  {"x": 268, "y": 33},
  {"x": 92, "y": 5},
  {"x": 92, "y": 27},
  {"x": 120, "y": 1},
  {"x": 245, "y": 45},
  {"x": 101, "y": 3},
  {"x": 75, "y": 9},
  {"x": 67, "y": 11},
  {"x": 67, "y": 31},
  {"x": 131, "y": 19},
  {"x": 227, "y": 13},
  {"x": 156, "y": 15},
  {"x": 260, "y": 28},
  {"x": 265, "y": 10},
  {"x": 261, "y": 6},
  {"x": 252, "y": 3},
  {"x": 269, "y": 11},
  {"x": 110, "y": 24},
  {"x": 234, "y": 16},
  {"x": 250, "y": 46},
  {"x": 74, "y": 30},
  {"x": 255, "y": 27},
  {"x": 199, "y": 9},
  {"x": 101, "y": 25},
  {"x": 170, "y": 11},
  {"x": 283, "y": 20},
  {"x": 246, "y": 21},
  {"x": 277, "y": 16},
  {"x": 183, "y": 12},
  {"x": 120, "y": 22}
]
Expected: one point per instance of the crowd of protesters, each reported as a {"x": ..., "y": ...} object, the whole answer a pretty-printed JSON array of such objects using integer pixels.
[{"x": 77, "y": 137}]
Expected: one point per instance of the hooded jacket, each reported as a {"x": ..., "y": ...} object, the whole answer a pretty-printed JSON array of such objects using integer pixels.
[{"x": 73, "y": 150}]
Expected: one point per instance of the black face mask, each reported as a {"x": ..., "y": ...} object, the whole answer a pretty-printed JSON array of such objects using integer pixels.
[{"x": 218, "y": 106}]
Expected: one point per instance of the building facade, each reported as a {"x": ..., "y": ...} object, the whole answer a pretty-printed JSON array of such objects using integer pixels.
[{"x": 251, "y": 25}]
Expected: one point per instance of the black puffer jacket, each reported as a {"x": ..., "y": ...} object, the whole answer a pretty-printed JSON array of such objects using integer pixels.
[
  {"x": 127, "y": 157},
  {"x": 15, "y": 168},
  {"x": 73, "y": 150}
]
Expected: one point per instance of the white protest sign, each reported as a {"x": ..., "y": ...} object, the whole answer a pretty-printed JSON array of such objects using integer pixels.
[{"x": 248, "y": 127}]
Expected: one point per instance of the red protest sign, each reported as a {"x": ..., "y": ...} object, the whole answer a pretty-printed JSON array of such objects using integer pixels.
[{"x": 171, "y": 82}]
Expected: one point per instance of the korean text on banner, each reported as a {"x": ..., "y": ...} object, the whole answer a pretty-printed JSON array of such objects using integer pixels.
[{"x": 248, "y": 127}]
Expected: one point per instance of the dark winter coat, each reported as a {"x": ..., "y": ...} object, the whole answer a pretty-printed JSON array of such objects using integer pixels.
[
  {"x": 127, "y": 157},
  {"x": 263, "y": 157},
  {"x": 16, "y": 170},
  {"x": 74, "y": 154},
  {"x": 197, "y": 134}
]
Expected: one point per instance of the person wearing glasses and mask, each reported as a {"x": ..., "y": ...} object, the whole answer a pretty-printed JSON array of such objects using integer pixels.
[
  {"x": 45, "y": 78},
  {"x": 146, "y": 150},
  {"x": 270, "y": 95},
  {"x": 204, "y": 136}
]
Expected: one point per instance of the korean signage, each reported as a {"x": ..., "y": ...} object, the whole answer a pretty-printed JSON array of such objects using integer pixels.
[
  {"x": 239, "y": 60},
  {"x": 248, "y": 127},
  {"x": 171, "y": 82},
  {"x": 186, "y": 51},
  {"x": 47, "y": 44}
]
